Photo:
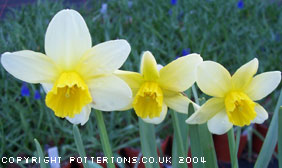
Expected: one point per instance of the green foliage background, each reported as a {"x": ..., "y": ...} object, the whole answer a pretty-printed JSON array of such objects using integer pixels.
[{"x": 218, "y": 30}]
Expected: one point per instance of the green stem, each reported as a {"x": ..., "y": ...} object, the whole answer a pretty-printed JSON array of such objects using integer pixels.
[
  {"x": 232, "y": 149},
  {"x": 104, "y": 138},
  {"x": 238, "y": 137},
  {"x": 148, "y": 143},
  {"x": 280, "y": 137},
  {"x": 195, "y": 94}
]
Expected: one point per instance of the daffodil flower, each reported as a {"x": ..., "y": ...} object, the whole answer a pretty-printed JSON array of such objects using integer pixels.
[
  {"x": 156, "y": 88},
  {"x": 75, "y": 75},
  {"x": 234, "y": 97}
]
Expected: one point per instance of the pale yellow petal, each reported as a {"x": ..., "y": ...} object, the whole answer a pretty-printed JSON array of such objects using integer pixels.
[
  {"x": 103, "y": 58},
  {"x": 157, "y": 120},
  {"x": 29, "y": 66},
  {"x": 219, "y": 124},
  {"x": 262, "y": 114},
  {"x": 213, "y": 79},
  {"x": 243, "y": 76},
  {"x": 263, "y": 84},
  {"x": 67, "y": 38},
  {"x": 109, "y": 93},
  {"x": 206, "y": 111},
  {"x": 133, "y": 79},
  {"x": 179, "y": 103},
  {"x": 149, "y": 68},
  {"x": 82, "y": 117},
  {"x": 180, "y": 74}
]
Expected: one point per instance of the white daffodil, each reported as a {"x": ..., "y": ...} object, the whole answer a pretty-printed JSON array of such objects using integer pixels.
[
  {"x": 233, "y": 96},
  {"x": 75, "y": 75},
  {"x": 157, "y": 87}
]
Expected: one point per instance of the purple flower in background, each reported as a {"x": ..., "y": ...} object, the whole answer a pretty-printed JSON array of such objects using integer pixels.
[
  {"x": 170, "y": 12},
  {"x": 104, "y": 8},
  {"x": 130, "y": 3},
  {"x": 173, "y": 2},
  {"x": 25, "y": 90},
  {"x": 37, "y": 95},
  {"x": 277, "y": 37},
  {"x": 240, "y": 4},
  {"x": 185, "y": 52}
]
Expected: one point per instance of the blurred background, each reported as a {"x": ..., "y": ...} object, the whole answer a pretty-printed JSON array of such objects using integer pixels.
[{"x": 229, "y": 32}]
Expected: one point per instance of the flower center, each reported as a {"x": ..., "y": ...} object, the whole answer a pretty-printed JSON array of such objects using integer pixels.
[
  {"x": 68, "y": 95},
  {"x": 148, "y": 100},
  {"x": 240, "y": 108}
]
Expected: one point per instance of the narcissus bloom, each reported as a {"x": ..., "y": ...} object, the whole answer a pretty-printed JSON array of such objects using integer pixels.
[
  {"x": 234, "y": 97},
  {"x": 75, "y": 75},
  {"x": 157, "y": 87}
]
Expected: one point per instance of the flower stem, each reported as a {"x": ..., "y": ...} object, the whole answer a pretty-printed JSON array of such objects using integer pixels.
[
  {"x": 148, "y": 143},
  {"x": 104, "y": 138},
  {"x": 232, "y": 148},
  {"x": 238, "y": 137}
]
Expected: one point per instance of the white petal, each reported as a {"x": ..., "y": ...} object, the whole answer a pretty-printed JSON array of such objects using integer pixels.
[
  {"x": 67, "y": 38},
  {"x": 109, "y": 93},
  {"x": 29, "y": 66},
  {"x": 262, "y": 114},
  {"x": 206, "y": 111},
  {"x": 219, "y": 124},
  {"x": 213, "y": 79},
  {"x": 180, "y": 74},
  {"x": 105, "y": 57},
  {"x": 157, "y": 120},
  {"x": 263, "y": 84},
  {"x": 47, "y": 87},
  {"x": 82, "y": 117},
  {"x": 159, "y": 67},
  {"x": 245, "y": 74},
  {"x": 179, "y": 103}
]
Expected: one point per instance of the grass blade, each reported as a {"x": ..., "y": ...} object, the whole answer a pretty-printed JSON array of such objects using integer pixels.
[
  {"x": 148, "y": 143},
  {"x": 270, "y": 139},
  {"x": 40, "y": 154},
  {"x": 93, "y": 165},
  {"x": 79, "y": 144}
]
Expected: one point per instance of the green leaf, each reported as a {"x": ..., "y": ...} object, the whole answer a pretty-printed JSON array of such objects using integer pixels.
[
  {"x": 271, "y": 138},
  {"x": 148, "y": 143},
  {"x": 40, "y": 154},
  {"x": 207, "y": 145},
  {"x": 180, "y": 141},
  {"x": 196, "y": 148},
  {"x": 93, "y": 165},
  {"x": 79, "y": 144},
  {"x": 205, "y": 138}
]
